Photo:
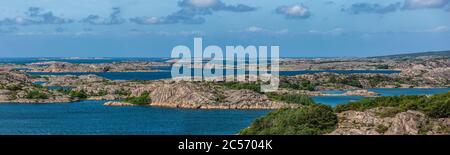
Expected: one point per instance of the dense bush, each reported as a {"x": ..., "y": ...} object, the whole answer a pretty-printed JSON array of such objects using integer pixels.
[
  {"x": 35, "y": 94},
  {"x": 308, "y": 120},
  {"x": 436, "y": 106},
  {"x": 143, "y": 99}
]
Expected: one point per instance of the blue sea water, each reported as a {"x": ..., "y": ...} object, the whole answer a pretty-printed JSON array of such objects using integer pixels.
[
  {"x": 91, "y": 117},
  {"x": 335, "y": 100},
  {"x": 409, "y": 91}
]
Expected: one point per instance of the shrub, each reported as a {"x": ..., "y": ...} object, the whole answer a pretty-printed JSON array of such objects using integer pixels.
[
  {"x": 143, "y": 99},
  {"x": 14, "y": 87},
  {"x": 78, "y": 94},
  {"x": 308, "y": 120},
  {"x": 122, "y": 92},
  {"x": 35, "y": 94}
]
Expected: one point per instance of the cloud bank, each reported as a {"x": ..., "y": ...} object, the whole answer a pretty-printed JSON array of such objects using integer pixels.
[
  {"x": 358, "y": 8},
  {"x": 113, "y": 19},
  {"x": 192, "y": 12},
  {"x": 35, "y": 16}
]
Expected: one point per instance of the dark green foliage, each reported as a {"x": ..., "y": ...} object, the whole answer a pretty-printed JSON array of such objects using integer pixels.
[
  {"x": 236, "y": 85},
  {"x": 78, "y": 94},
  {"x": 14, "y": 87},
  {"x": 102, "y": 93},
  {"x": 384, "y": 66},
  {"x": 143, "y": 99},
  {"x": 308, "y": 120},
  {"x": 35, "y": 94},
  {"x": 436, "y": 106},
  {"x": 106, "y": 69},
  {"x": 123, "y": 92},
  {"x": 351, "y": 82},
  {"x": 291, "y": 98}
]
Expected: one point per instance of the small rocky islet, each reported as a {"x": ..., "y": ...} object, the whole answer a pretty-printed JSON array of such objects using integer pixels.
[{"x": 17, "y": 86}]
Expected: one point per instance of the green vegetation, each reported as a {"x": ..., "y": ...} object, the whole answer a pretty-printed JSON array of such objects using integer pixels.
[
  {"x": 236, "y": 85},
  {"x": 291, "y": 98},
  {"x": 106, "y": 69},
  {"x": 350, "y": 81},
  {"x": 436, "y": 106},
  {"x": 143, "y": 99},
  {"x": 381, "y": 129},
  {"x": 35, "y": 94},
  {"x": 81, "y": 94},
  {"x": 304, "y": 85},
  {"x": 313, "y": 119},
  {"x": 122, "y": 92},
  {"x": 14, "y": 87},
  {"x": 309, "y": 120},
  {"x": 383, "y": 66}
]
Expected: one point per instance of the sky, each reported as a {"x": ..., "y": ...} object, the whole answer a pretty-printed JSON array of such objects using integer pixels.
[{"x": 152, "y": 28}]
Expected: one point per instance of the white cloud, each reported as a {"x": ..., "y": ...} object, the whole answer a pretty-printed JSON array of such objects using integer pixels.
[
  {"x": 298, "y": 11},
  {"x": 422, "y": 4},
  {"x": 255, "y": 29},
  {"x": 260, "y": 30}
]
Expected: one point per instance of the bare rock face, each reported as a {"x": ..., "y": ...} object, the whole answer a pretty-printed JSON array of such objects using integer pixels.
[
  {"x": 4, "y": 95},
  {"x": 115, "y": 103},
  {"x": 205, "y": 96},
  {"x": 408, "y": 123},
  {"x": 247, "y": 99},
  {"x": 183, "y": 94},
  {"x": 405, "y": 123},
  {"x": 361, "y": 93}
]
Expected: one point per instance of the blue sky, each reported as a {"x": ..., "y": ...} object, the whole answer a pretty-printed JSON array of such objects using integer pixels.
[{"x": 143, "y": 28}]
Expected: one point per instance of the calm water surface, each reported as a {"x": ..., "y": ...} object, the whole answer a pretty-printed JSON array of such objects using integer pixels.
[{"x": 91, "y": 117}]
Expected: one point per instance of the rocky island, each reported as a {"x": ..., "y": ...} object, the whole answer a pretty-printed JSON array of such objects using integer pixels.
[{"x": 18, "y": 86}]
